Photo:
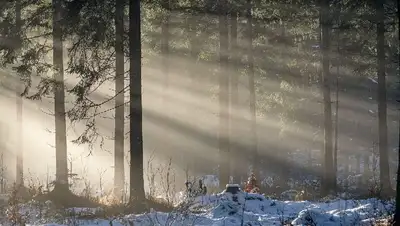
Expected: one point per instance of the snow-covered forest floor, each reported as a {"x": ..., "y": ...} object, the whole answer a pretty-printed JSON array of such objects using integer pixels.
[{"x": 219, "y": 209}]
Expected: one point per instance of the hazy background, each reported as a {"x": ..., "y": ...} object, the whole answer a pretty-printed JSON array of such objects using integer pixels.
[{"x": 289, "y": 121}]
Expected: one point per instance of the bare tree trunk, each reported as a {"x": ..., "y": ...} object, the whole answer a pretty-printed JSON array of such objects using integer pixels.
[
  {"x": 253, "y": 118},
  {"x": 137, "y": 195},
  {"x": 119, "y": 175},
  {"x": 397, "y": 211},
  {"x": 234, "y": 101},
  {"x": 59, "y": 102},
  {"x": 223, "y": 96},
  {"x": 165, "y": 51},
  {"x": 195, "y": 80},
  {"x": 166, "y": 92},
  {"x": 367, "y": 173},
  {"x": 382, "y": 101},
  {"x": 194, "y": 49},
  {"x": 19, "y": 103},
  {"x": 335, "y": 148},
  {"x": 329, "y": 182}
]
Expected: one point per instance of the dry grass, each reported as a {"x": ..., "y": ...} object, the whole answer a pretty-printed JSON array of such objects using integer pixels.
[{"x": 160, "y": 198}]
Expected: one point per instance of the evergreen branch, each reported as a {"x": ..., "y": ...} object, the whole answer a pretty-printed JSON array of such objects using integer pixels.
[{"x": 39, "y": 36}]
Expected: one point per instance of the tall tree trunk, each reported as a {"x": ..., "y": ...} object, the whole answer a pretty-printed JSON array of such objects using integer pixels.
[
  {"x": 165, "y": 71},
  {"x": 137, "y": 195},
  {"x": 195, "y": 81},
  {"x": 59, "y": 102},
  {"x": 165, "y": 51},
  {"x": 119, "y": 175},
  {"x": 329, "y": 181},
  {"x": 382, "y": 104},
  {"x": 253, "y": 118},
  {"x": 234, "y": 100},
  {"x": 19, "y": 103},
  {"x": 397, "y": 212},
  {"x": 194, "y": 49},
  {"x": 223, "y": 96},
  {"x": 336, "y": 135}
]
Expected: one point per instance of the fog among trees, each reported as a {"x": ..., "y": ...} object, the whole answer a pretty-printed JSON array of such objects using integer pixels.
[{"x": 135, "y": 98}]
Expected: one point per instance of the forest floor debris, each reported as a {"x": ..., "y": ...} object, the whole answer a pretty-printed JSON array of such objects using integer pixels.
[{"x": 219, "y": 209}]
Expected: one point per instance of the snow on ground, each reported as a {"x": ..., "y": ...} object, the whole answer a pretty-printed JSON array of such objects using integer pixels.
[{"x": 222, "y": 209}]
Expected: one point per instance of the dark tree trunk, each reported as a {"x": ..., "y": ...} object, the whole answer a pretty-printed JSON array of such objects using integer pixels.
[
  {"x": 234, "y": 101},
  {"x": 382, "y": 104},
  {"x": 19, "y": 103},
  {"x": 335, "y": 148},
  {"x": 223, "y": 96},
  {"x": 59, "y": 101},
  {"x": 253, "y": 118},
  {"x": 329, "y": 182},
  {"x": 397, "y": 212},
  {"x": 119, "y": 175},
  {"x": 137, "y": 195}
]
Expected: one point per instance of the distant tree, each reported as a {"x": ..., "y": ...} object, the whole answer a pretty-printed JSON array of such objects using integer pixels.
[
  {"x": 329, "y": 182},
  {"x": 137, "y": 195},
  {"x": 234, "y": 94},
  {"x": 119, "y": 135},
  {"x": 22, "y": 49},
  {"x": 337, "y": 91},
  {"x": 382, "y": 100},
  {"x": 19, "y": 103},
  {"x": 224, "y": 171},
  {"x": 193, "y": 41},
  {"x": 252, "y": 102},
  {"x": 165, "y": 50}
]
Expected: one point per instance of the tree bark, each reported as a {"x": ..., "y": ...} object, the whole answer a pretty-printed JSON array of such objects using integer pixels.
[
  {"x": 59, "y": 101},
  {"x": 223, "y": 96},
  {"x": 137, "y": 195},
  {"x": 336, "y": 135},
  {"x": 397, "y": 211},
  {"x": 382, "y": 101},
  {"x": 329, "y": 181},
  {"x": 195, "y": 80},
  {"x": 19, "y": 103},
  {"x": 234, "y": 101},
  {"x": 253, "y": 118},
  {"x": 165, "y": 99},
  {"x": 194, "y": 49},
  {"x": 367, "y": 172},
  {"x": 119, "y": 175},
  {"x": 165, "y": 51}
]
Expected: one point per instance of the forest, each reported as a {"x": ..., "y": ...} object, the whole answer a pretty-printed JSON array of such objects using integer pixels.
[{"x": 150, "y": 107}]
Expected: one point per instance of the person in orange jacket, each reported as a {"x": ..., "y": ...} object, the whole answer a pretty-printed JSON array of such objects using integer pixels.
[{"x": 251, "y": 185}]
